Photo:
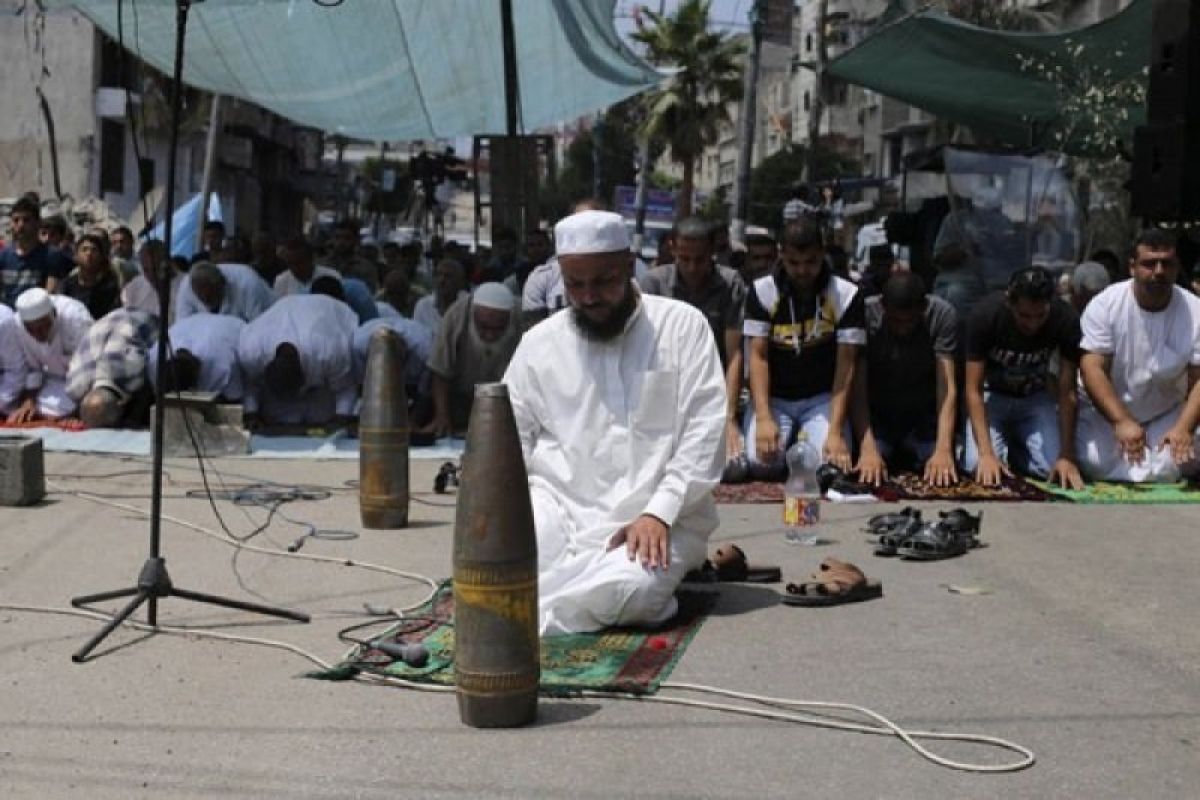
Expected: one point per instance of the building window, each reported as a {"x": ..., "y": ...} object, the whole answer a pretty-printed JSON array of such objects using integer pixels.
[
  {"x": 112, "y": 156},
  {"x": 807, "y": 101},
  {"x": 808, "y": 43}
]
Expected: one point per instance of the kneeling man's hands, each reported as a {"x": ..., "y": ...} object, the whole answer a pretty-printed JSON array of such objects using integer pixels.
[
  {"x": 1066, "y": 472},
  {"x": 647, "y": 539},
  {"x": 990, "y": 470},
  {"x": 1131, "y": 438},
  {"x": 1180, "y": 442}
]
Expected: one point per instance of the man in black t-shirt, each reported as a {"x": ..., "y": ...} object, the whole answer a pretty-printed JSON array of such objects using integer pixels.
[
  {"x": 805, "y": 327},
  {"x": 1016, "y": 418},
  {"x": 26, "y": 263},
  {"x": 905, "y": 395}
]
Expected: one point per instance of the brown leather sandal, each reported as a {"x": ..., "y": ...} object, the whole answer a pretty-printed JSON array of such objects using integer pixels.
[
  {"x": 835, "y": 583},
  {"x": 728, "y": 565}
]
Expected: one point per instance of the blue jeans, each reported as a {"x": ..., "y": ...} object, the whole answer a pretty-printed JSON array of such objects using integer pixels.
[
  {"x": 918, "y": 440},
  {"x": 810, "y": 415},
  {"x": 1024, "y": 432}
]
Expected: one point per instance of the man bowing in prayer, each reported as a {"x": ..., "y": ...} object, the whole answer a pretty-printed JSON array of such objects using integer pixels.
[{"x": 620, "y": 405}]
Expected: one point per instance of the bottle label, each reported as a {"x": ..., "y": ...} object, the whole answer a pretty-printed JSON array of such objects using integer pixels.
[{"x": 801, "y": 511}]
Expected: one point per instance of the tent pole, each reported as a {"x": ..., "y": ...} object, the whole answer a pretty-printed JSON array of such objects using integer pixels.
[{"x": 511, "y": 88}]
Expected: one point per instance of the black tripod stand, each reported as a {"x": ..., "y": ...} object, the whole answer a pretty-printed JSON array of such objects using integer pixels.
[{"x": 153, "y": 582}]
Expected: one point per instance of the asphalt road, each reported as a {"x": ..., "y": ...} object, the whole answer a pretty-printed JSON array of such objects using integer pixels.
[{"x": 1078, "y": 641}]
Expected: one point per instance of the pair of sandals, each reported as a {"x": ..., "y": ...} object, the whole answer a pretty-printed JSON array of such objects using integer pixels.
[
  {"x": 906, "y": 535},
  {"x": 834, "y": 583}
]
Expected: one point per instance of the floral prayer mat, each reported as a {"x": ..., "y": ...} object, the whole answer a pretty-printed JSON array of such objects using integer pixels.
[
  {"x": 1129, "y": 493},
  {"x": 67, "y": 424},
  {"x": 905, "y": 486},
  {"x": 627, "y": 660}
]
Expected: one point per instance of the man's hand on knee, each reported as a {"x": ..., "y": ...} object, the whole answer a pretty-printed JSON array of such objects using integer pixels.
[{"x": 647, "y": 539}]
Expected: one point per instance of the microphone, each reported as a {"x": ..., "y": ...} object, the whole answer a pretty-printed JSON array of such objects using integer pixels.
[{"x": 414, "y": 655}]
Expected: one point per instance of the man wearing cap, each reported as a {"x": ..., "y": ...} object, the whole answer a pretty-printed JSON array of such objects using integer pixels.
[
  {"x": 473, "y": 345},
  {"x": 107, "y": 373},
  {"x": 297, "y": 362},
  {"x": 50, "y": 330},
  {"x": 620, "y": 405},
  {"x": 233, "y": 289}
]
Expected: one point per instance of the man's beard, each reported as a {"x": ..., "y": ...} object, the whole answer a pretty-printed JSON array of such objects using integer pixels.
[{"x": 612, "y": 326}]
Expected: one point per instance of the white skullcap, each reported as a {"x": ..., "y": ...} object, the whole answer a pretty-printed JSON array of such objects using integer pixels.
[
  {"x": 34, "y": 304},
  {"x": 591, "y": 232},
  {"x": 493, "y": 295}
]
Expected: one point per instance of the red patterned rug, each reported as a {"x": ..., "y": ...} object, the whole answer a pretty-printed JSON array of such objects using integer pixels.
[{"x": 62, "y": 424}]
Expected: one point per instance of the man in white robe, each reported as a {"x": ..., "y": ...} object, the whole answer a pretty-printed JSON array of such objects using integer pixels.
[
  {"x": 204, "y": 347},
  {"x": 298, "y": 362},
  {"x": 50, "y": 330},
  {"x": 621, "y": 409},
  {"x": 12, "y": 362},
  {"x": 233, "y": 289}
]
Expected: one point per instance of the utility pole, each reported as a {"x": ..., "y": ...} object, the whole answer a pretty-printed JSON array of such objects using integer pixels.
[
  {"x": 817, "y": 106},
  {"x": 210, "y": 158},
  {"x": 741, "y": 196},
  {"x": 643, "y": 177}
]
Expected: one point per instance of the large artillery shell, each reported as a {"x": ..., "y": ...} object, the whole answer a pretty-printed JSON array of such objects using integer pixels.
[
  {"x": 497, "y": 650},
  {"x": 383, "y": 435}
]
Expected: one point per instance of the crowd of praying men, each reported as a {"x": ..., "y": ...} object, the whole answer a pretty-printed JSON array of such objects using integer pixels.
[{"x": 1071, "y": 380}]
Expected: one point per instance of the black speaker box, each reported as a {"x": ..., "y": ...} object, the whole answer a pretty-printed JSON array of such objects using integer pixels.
[
  {"x": 1166, "y": 172},
  {"x": 1174, "y": 62}
]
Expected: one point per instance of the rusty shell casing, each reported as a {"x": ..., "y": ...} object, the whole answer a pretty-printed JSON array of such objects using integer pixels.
[
  {"x": 383, "y": 435},
  {"x": 497, "y": 649}
]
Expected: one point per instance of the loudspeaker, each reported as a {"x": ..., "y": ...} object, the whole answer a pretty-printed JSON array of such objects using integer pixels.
[
  {"x": 1174, "y": 62},
  {"x": 1166, "y": 165},
  {"x": 1166, "y": 176}
]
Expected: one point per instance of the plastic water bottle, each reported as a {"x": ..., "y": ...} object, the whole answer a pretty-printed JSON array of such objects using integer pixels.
[{"x": 801, "y": 494}]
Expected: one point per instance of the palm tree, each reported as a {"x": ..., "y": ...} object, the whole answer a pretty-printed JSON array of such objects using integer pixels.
[{"x": 685, "y": 112}]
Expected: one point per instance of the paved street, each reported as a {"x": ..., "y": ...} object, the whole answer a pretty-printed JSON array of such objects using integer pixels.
[{"x": 1085, "y": 650}]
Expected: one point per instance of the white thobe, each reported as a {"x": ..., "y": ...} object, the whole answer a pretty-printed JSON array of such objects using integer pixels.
[
  {"x": 213, "y": 340},
  {"x": 47, "y": 363},
  {"x": 286, "y": 283},
  {"x": 417, "y": 340},
  {"x": 426, "y": 312},
  {"x": 247, "y": 295},
  {"x": 12, "y": 362},
  {"x": 610, "y": 431},
  {"x": 142, "y": 295},
  {"x": 322, "y": 330}
]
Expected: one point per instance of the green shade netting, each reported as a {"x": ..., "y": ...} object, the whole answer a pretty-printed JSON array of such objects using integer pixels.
[
  {"x": 996, "y": 82},
  {"x": 389, "y": 69}
]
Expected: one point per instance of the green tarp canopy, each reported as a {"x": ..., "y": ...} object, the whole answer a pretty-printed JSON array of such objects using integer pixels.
[
  {"x": 1020, "y": 89},
  {"x": 388, "y": 69}
]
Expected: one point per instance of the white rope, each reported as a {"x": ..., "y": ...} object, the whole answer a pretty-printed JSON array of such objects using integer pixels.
[{"x": 886, "y": 726}]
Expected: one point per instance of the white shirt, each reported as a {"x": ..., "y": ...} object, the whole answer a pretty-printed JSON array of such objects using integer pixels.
[
  {"x": 1151, "y": 350},
  {"x": 142, "y": 295},
  {"x": 286, "y": 283},
  {"x": 625, "y": 427},
  {"x": 12, "y": 362},
  {"x": 213, "y": 340},
  {"x": 426, "y": 312},
  {"x": 322, "y": 330},
  {"x": 52, "y": 358},
  {"x": 246, "y": 294},
  {"x": 417, "y": 339}
]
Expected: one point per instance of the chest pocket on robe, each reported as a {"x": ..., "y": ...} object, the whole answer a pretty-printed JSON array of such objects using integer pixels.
[{"x": 658, "y": 403}]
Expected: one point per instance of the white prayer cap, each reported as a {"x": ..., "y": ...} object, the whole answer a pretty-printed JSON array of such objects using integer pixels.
[
  {"x": 493, "y": 295},
  {"x": 591, "y": 232},
  {"x": 1090, "y": 276},
  {"x": 34, "y": 304}
]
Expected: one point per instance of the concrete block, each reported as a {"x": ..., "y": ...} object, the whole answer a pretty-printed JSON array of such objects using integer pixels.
[
  {"x": 22, "y": 471},
  {"x": 214, "y": 429}
]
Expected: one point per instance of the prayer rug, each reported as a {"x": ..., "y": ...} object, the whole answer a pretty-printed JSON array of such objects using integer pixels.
[
  {"x": 1128, "y": 493},
  {"x": 57, "y": 424},
  {"x": 905, "y": 486},
  {"x": 633, "y": 661}
]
